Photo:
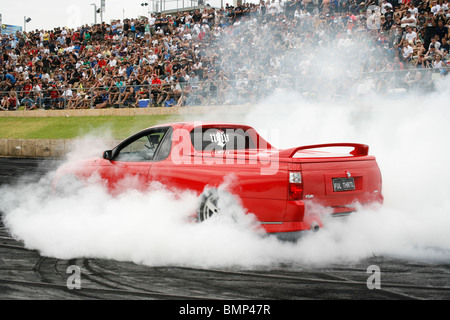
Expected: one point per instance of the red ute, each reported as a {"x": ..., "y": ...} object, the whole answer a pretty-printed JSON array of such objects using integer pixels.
[{"x": 285, "y": 189}]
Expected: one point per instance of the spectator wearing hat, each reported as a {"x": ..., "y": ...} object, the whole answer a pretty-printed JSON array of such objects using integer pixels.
[
  {"x": 441, "y": 30},
  {"x": 388, "y": 23},
  {"x": 431, "y": 55},
  {"x": 408, "y": 20},
  {"x": 435, "y": 43}
]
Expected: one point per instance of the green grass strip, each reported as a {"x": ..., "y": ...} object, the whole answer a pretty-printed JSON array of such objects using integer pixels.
[{"x": 115, "y": 127}]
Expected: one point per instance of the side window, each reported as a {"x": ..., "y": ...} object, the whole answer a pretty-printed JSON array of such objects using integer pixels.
[
  {"x": 141, "y": 149},
  {"x": 164, "y": 147}
]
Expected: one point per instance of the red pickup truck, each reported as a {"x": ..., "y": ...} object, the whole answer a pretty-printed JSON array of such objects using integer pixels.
[{"x": 282, "y": 188}]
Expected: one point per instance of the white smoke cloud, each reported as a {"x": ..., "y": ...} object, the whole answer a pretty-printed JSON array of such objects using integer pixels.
[
  {"x": 409, "y": 136},
  {"x": 155, "y": 228}
]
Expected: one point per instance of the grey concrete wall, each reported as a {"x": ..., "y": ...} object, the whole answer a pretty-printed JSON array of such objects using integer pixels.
[{"x": 44, "y": 148}]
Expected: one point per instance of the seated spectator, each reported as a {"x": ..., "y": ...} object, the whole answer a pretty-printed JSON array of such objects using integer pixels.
[
  {"x": 4, "y": 103},
  {"x": 410, "y": 35},
  {"x": 408, "y": 20},
  {"x": 407, "y": 52},
  {"x": 445, "y": 48},
  {"x": 412, "y": 78}
]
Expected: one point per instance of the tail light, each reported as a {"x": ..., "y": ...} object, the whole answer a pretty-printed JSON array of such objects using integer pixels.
[{"x": 295, "y": 185}]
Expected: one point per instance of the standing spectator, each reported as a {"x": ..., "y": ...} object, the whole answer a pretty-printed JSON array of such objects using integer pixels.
[{"x": 439, "y": 65}]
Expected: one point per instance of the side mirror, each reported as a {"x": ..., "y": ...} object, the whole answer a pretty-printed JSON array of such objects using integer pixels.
[{"x": 107, "y": 155}]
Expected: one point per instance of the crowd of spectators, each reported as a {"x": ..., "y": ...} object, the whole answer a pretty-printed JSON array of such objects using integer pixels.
[{"x": 229, "y": 55}]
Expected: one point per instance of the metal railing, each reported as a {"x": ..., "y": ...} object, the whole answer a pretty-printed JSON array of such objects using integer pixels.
[{"x": 223, "y": 92}]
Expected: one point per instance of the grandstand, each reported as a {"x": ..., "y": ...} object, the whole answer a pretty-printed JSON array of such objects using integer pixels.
[{"x": 237, "y": 54}]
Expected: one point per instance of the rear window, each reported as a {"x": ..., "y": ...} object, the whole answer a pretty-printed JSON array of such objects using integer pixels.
[{"x": 208, "y": 139}]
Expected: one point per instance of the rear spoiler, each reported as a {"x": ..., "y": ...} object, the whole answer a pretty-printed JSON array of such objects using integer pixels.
[{"x": 359, "y": 149}]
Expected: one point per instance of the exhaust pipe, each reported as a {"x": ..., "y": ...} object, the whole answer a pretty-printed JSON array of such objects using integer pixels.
[{"x": 315, "y": 226}]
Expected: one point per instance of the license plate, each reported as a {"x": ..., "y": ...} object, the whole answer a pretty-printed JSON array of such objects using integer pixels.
[{"x": 343, "y": 184}]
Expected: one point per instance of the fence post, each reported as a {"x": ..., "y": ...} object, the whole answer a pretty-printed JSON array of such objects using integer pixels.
[
  {"x": 182, "y": 92},
  {"x": 120, "y": 97},
  {"x": 150, "y": 100},
  {"x": 92, "y": 98},
  {"x": 64, "y": 97}
]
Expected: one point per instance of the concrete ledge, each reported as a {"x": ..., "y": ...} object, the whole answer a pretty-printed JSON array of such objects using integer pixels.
[
  {"x": 45, "y": 148},
  {"x": 121, "y": 112},
  {"x": 3, "y": 146},
  {"x": 14, "y": 147}
]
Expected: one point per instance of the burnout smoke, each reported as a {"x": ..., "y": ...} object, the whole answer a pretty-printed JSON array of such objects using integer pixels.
[
  {"x": 154, "y": 228},
  {"x": 317, "y": 101}
]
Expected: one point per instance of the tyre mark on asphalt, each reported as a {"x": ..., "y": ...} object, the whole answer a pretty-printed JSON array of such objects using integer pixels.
[
  {"x": 45, "y": 282},
  {"x": 239, "y": 292},
  {"x": 325, "y": 281},
  {"x": 14, "y": 247},
  {"x": 121, "y": 285}
]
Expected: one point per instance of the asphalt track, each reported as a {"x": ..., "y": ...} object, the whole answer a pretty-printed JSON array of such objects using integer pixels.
[{"x": 25, "y": 274}]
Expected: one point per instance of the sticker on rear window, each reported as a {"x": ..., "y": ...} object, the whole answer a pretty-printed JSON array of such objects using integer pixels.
[{"x": 220, "y": 138}]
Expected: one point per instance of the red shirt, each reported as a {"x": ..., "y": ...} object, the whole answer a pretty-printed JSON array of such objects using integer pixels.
[
  {"x": 101, "y": 63},
  {"x": 156, "y": 81},
  {"x": 12, "y": 102},
  {"x": 28, "y": 88},
  {"x": 54, "y": 94}
]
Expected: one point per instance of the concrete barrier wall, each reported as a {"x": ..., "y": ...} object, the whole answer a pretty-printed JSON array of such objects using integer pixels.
[{"x": 46, "y": 148}]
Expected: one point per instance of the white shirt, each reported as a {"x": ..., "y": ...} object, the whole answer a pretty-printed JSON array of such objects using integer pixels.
[
  {"x": 122, "y": 71},
  {"x": 68, "y": 93},
  {"x": 435, "y": 9},
  {"x": 404, "y": 23},
  {"x": 439, "y": 64},
  {"x": 410, "y": 37},
  {"x": 437, "y": 45},
  {"x": 112, "y": 63},
  {"x": 272, "y": 8},
  {"x": 407, "y": 51},
  {"x": 152, "y": 58}
]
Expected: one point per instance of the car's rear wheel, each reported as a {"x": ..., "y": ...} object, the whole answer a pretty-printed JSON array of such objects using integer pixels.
[{"x": 208, "y": 205}]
